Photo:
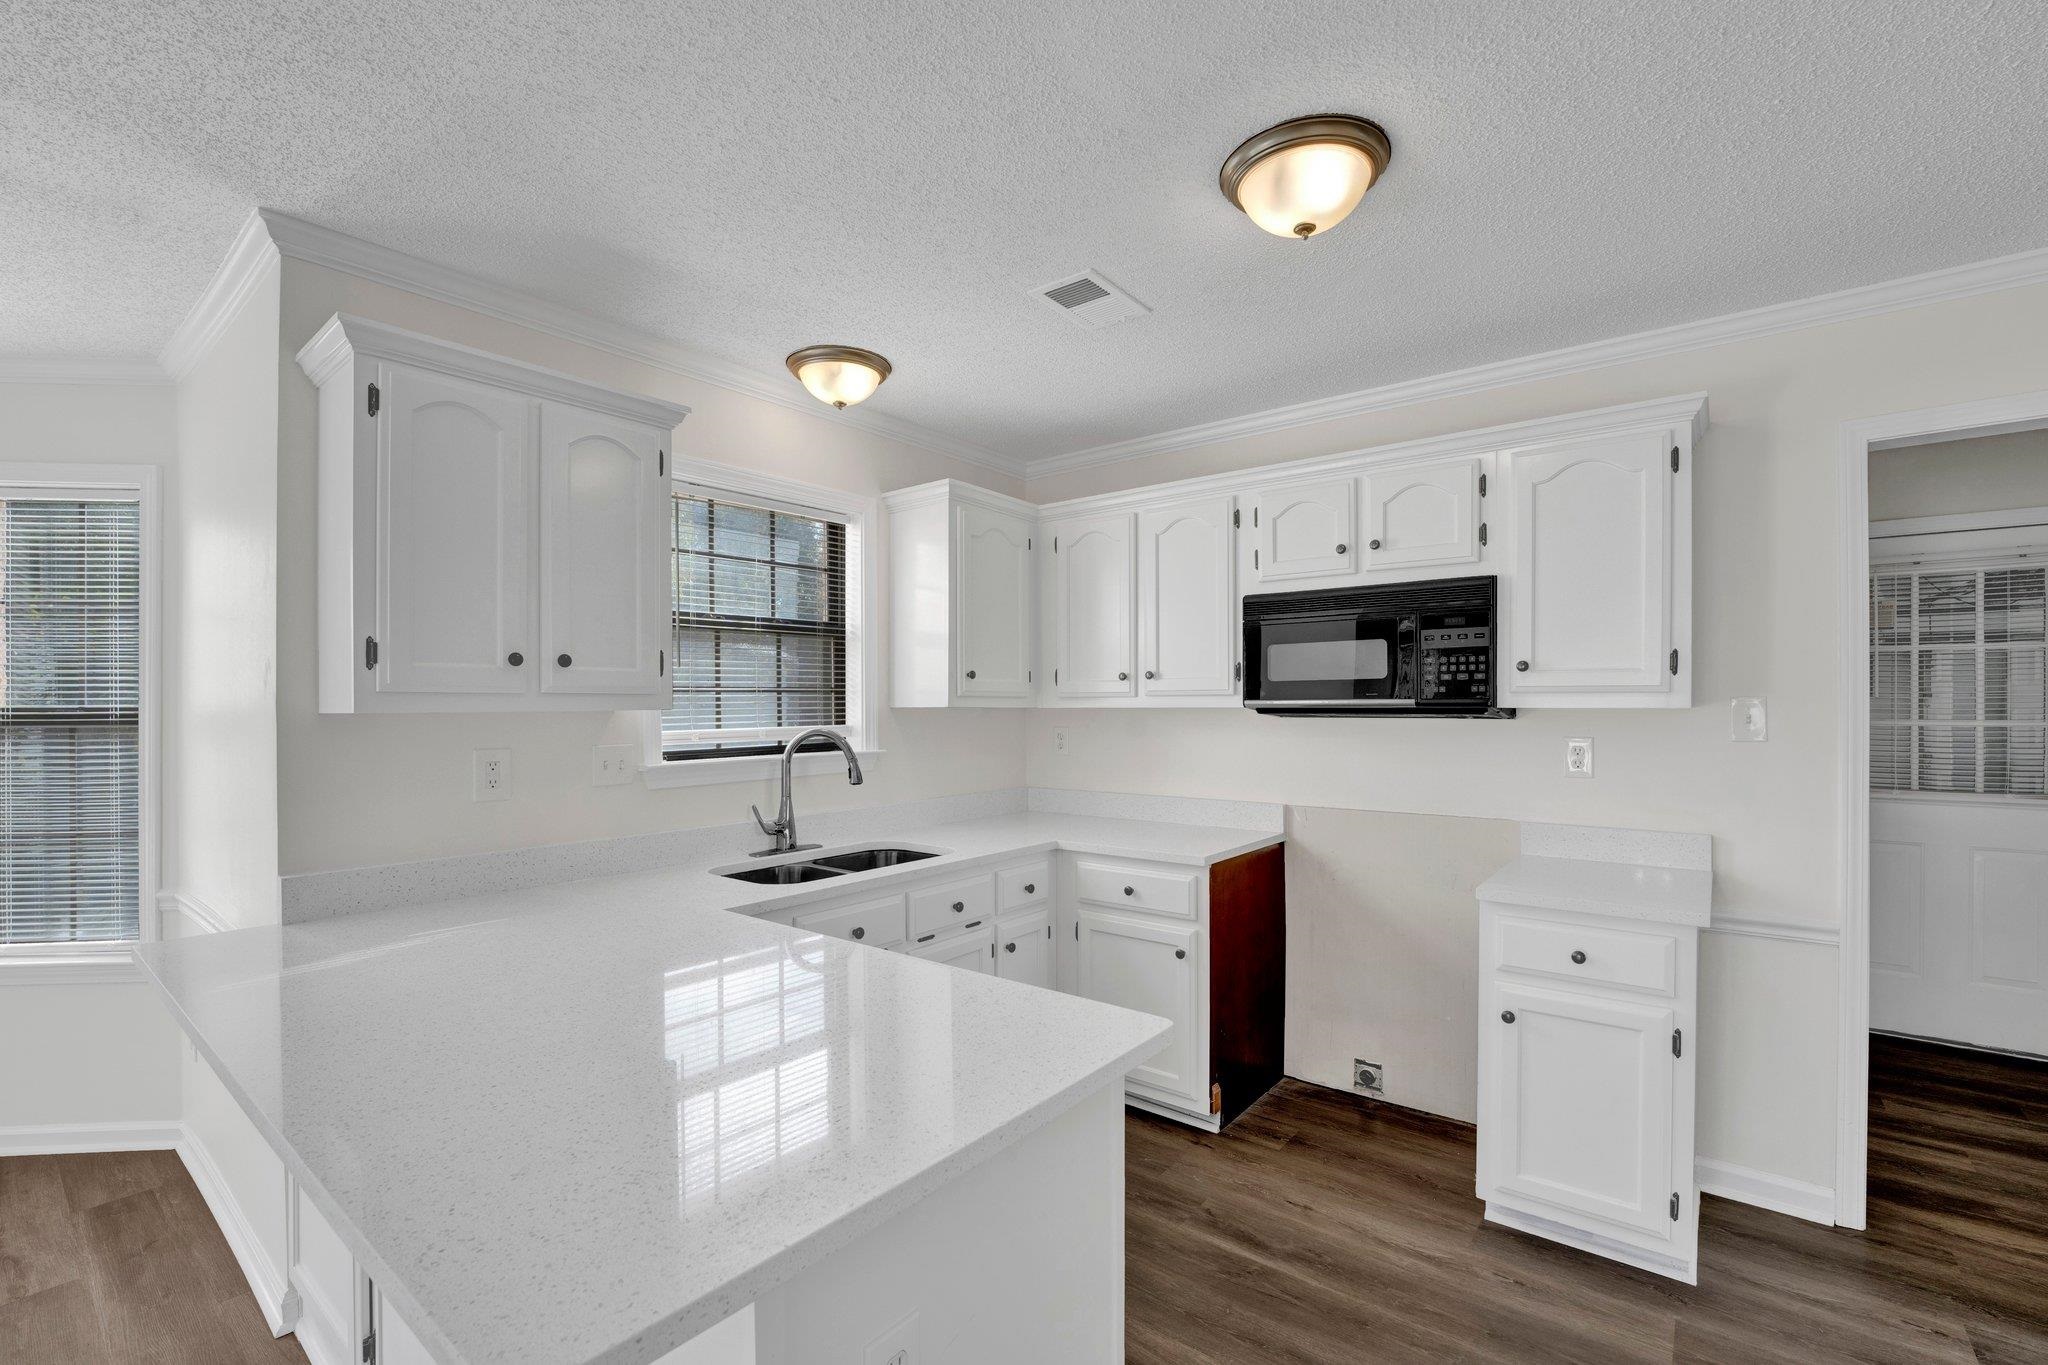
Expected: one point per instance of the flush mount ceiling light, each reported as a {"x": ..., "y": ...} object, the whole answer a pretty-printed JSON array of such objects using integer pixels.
[
  {"x": 1303, "y": 176},
  {"x": 838, "y": 375}
]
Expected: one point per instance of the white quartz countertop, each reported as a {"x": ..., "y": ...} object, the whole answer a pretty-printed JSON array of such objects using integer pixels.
[
  {"x": 583, "y": 1122},
  {"x": 1666, "y": 895}
]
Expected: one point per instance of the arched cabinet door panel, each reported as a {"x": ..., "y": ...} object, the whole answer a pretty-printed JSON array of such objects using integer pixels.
[
  {"x": 993, "y": 603},
  {"x": 1421, "y": 516},
  {"x": 1187, "y": 605},
  {"x": 1304, "y": 530},
  {"x": 603, "y": 530},
  {"x": 1093, "y": 601}
]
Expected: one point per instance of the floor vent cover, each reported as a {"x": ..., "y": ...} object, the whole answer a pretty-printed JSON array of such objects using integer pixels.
[{"x": 1090, "y": 300}]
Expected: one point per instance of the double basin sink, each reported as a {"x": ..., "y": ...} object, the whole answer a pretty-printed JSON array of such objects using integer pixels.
[{"x": 831, "y": 865}]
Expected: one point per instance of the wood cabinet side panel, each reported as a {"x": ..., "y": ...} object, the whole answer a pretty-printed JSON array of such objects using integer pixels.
[{"x": 1247, "y": 976}]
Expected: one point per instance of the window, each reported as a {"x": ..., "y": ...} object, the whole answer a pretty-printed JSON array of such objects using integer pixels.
[
  {"x": 73, "y": 731},
  {"x": 1959, "y": 678},
  {"x": 759, "y": 648}
]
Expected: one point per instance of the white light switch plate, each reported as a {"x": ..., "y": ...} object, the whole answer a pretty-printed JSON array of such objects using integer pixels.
[
  {"x": 611, "y": 764},
  {"x": 490, "y": 775},
  {"x": 1059, "y": 742},
  {"x": 1747, "y": 721},
  {"x": 1578, "y": 758}
]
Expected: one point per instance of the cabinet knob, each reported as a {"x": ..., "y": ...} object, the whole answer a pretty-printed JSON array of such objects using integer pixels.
[
  {"x": 515, "y": 658},
  {"x": 1521, "y": 665},
  {"x": 1371, "y": 545},
  {"x": 562, "y": 661},
  {"x": 1130, "y": 891},
  {"x": 959, "y": 907},
  {"x": 1180, "y": 952},
  {"x": 1507, "y": 1016},
  {"x": 1123, "y": 677},
  {"x": 1578, "y": 956},
  {"x": 1149, "y": 675},
  {"x": 1009, "y": 947},
  {"x": 859, "y": 932},
  {"x": 1031, "y": 888},
  {"x": 1343, "y": 549},
  {"x": 970, "y": 673}
]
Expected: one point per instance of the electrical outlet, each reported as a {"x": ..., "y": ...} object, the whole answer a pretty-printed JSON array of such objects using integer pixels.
[
  {"x": 1747, "y": 723},
  {"x": 490, "y": 775},
  {"x": 1369, "y": 1077},
  {"x": 611, "y": 764},
  {"x": 1578, "y": 758},
  {"x": 1059, "y": 741},
  {"x": 897, "y": 1346}
]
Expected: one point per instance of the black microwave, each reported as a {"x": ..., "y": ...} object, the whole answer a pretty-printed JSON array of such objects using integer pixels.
[{"x": 1424, "y": 648}]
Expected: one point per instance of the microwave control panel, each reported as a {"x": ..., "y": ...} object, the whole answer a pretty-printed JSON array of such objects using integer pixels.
[{"x": 1457, "y": 660}]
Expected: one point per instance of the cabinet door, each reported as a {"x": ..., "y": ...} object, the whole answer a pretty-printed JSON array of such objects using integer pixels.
[
  {"x": 1422, "y": 516},
  {"x": 969, "y": 951},
  {"x": 1187, "y": 614},
  {"x": 1024, "y": 948},
  {"x": 1304, "y": 530},
  {"x": 454, "y": 468},
  {"x": 1590, "y": 604},
  {"x": 1092, "y": 598},
  {"x": 993, "y": 607},
  {"x": 1154, "y": 968},
  {"x": 1580, "y": 1106},
  {"x": 604, "y": 554},
  {"x": 397, "y": 1343}
]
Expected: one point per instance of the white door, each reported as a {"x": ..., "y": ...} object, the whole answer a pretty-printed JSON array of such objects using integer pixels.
[
  {"x": 1304, "y": 530},
  {"x": 1155, "y": 968},
  {"x": 1579, "y": 1112},
  {"x": 604, "y": 554},
  {"x": 1959, "y": 921},
  {"x": 1187, "y": 613},
  {"x": 454, "y": 480},
  {"x": 969, "y": 951},
  {"x": 994, "y": 604},
  {"x": 1590, "y": 603},
  {"x": 1092, "y": 599},
  {"x": 1422, "y": 516},
  {"x": 1024, "y": 948}
]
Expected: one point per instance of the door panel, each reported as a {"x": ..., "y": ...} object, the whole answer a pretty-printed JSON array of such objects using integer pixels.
[
  {"x": 994, "y": 604},
  {"x": 1154, "y": 968},
  {"x": 604, "y": 554},
  {"x": 1186, "y": 606},
  {"x": 969, "y": 951},
  {"x": 1024, "y": 948},
  {"x": 1422, "y": 516},
  {"x": 1582, "y": 1105},
  {"x": 1304, "y": 530},
  {"x": 453, "y": 473},
  {"x": 1093, "y": 594}
]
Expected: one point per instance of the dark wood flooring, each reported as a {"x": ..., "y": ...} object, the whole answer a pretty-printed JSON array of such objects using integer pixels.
[
  {"x": 1325, "y": 1228},
  {"x": 114, "y": 1257}
]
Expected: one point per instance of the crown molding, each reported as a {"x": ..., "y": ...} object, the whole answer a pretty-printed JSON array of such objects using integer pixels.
[
  {"x": 1983, "y": 277},
  {"x": 81, "y": 370},
  {"x": 317, "y": 245},
  {"x": 248, "y": 262}
]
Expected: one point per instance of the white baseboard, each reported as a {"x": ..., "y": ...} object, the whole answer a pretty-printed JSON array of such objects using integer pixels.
[
  {"x": 278, "y": 1300},
  {"x": 42, "y": 1139},
  {"x": 1780, "y": 1194}
]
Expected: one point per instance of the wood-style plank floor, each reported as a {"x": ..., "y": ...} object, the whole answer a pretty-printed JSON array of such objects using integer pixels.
[
  {"x": 1324, "y": 1228},
  {"x": 114, "y": 1257}
]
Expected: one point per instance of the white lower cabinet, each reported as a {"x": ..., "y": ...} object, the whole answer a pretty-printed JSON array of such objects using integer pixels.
[
  {"x": 343, "y": 1317},
  {"x": 1155, "y": 967},
  {"x": 1586, "y": 1083},
  {"x": 968, "y": 949},
  {"x": 1024, "y": 949}
]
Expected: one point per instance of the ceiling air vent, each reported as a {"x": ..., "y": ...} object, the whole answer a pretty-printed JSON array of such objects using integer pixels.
[{"x": 1090, "y": 300}]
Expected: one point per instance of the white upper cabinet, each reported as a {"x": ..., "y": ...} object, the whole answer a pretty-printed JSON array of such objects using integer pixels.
[
  {"x": 994, "y": 607},
  {"x": 1092, "y": 598},
  {"x": 1422, "y": 515},
  {"x": 1598, "y": 607},
  {"x": 604, "y": 530},
  {"x": 492, "y": 536},
  {"x": 1305, "y": 530},
  {"x": 1187, "y": 606},
  {"x": 963, "y": 627}
]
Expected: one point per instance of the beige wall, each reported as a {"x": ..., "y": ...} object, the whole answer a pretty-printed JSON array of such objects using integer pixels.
[
  {"x": 358, "y": 790},
  {"x": 1983, "y": 474},
  {"x": 1766, "y": 544}
]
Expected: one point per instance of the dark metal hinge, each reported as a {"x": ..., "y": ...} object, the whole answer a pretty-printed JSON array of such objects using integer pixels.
[
  {"x": 1255, "y": 515},
  {"x": 1237, "y": 671},
  {"x": 1255, "y": 559},
  {"x": 1055, "y": 677},
  {"x": 1077, "y": 931},
  {"x": 1482, "y": 533},
  {"x": 1674, "y": 1206},
  {"x": 1674, "y": 459},
  {"x": 1674, "y": 663},
  {"x": 370, "y": 1349},
  {"x": 1027, "y": 542},
  {"x": 369, "y": 651},
  {"x": 1055, "y": 544},
  {"x": 1236, "y": 517},
  {"x": 376, "y": 400},
  {"x": 660, "y": 663},
  {"x": 1678, "y": 1042},
  {"x": 661, "y": 462},
  {"x": 1482, "y": 485}
]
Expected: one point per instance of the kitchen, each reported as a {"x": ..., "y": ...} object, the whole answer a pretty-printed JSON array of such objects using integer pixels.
[{"x": 471, "y": 622}]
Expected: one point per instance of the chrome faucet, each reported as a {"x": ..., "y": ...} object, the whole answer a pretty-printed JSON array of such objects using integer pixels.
[{"x": 783, "y": 830}]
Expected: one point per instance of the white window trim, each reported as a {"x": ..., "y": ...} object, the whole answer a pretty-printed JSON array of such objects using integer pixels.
[
  {"x": 863, "y": 629},
  {"x": 85, "y": 963}
]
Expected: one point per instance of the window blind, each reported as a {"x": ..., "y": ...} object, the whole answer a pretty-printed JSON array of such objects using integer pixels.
[
  {"x": 1959, "y": 679},
  {"x": 70, "y": 699},
  {"x": 758, "y": 651}
]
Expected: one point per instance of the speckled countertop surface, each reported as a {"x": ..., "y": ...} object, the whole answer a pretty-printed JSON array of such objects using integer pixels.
[
  {"x": 1665, "y": 895},
  {"x": 583, "y": 1122}
]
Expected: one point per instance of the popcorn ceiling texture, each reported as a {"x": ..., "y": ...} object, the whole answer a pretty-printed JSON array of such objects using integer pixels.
[{"x": 747, "y": 179}]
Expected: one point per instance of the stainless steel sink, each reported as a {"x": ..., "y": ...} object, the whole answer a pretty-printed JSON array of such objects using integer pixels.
[
  {"x": 785, "y": 874},
  {"x": 867, "y": 859}
]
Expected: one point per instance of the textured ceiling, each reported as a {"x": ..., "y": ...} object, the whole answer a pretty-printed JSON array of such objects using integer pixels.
[{"x": 747, "y": 179}]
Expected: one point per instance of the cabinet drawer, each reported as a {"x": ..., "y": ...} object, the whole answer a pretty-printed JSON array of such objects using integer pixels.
[
  {"x": 947, "y": 906},
  {"x": 1130, "y": 888},
  {"x": 878, "y": 923},
  {"x": 1605, "y": 957},
  {"x": 1017, "y": 887}
]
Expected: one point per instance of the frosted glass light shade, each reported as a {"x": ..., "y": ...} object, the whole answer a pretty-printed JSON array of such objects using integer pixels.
[
  {"x": 839, "y": 375},
  {"x": 1304, "y": 177}
]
